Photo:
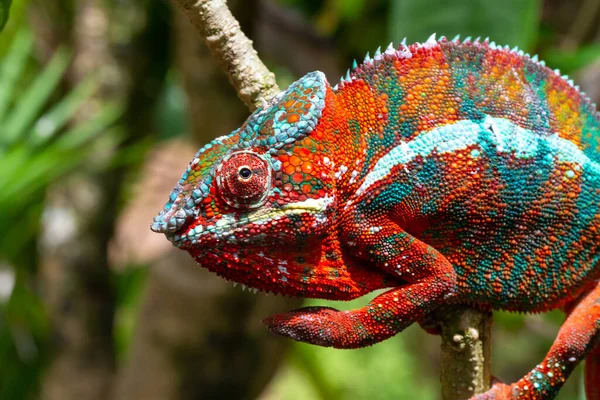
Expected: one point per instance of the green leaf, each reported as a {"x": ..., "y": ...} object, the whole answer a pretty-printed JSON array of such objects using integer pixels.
[
  {"x": 55, "y": 119},
  {"x": 512, "y": 22},
  {"x": 35, "y": 97},
  {"x": 4, "y": 12},
  {"x": 89, "y": 129},
  {"x": 12, "y": 68}
]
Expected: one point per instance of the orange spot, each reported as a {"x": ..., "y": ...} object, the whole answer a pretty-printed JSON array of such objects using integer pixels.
[
  {"x": 307, "y": 167},
  {"x": 295, "y": 161},
  {"x": 297, "y": 177}
]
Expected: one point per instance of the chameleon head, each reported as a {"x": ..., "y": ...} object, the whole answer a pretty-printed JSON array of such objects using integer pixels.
[{"x": 255, "y": 206}]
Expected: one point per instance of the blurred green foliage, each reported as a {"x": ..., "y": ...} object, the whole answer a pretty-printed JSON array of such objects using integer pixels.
[
  {"x": 171, "y": 118},
  {"x": 511, "y": 22},
  {"x": 15, "y": 15},
  {"x": 572, "y": 60},
  {"x": 41, "y": 141},
  {"x": 38, "y": 145},
  {"x": 129, "y": 284},
  {"x": 4, "y": 12}
]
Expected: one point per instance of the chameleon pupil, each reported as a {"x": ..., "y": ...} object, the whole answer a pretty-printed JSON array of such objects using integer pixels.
[{"x": 245, "y": 173}]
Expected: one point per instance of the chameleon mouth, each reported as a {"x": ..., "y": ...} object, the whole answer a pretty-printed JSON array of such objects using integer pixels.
[{"x": 192, "y": 232}]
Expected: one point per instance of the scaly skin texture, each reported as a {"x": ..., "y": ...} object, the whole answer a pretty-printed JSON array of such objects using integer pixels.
[{"x": 447, "y": 172}]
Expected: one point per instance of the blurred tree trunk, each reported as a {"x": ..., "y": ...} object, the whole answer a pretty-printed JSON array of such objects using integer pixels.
[
  {"x": 74, "y": 274},
  {"x": 196, "y": 336}
]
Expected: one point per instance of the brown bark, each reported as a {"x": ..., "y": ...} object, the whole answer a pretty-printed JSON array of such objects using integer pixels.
[{"x": 465, "y": 351}]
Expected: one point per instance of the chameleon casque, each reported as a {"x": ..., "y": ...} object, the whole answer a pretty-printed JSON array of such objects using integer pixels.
[{"x": 445, "y": 172}]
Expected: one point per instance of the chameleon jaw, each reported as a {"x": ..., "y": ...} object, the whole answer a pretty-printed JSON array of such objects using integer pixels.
[{"x": 225, "y": 228}]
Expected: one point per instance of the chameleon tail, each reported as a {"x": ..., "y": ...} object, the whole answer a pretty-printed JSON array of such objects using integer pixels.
[
  {"x": 577, "y": 339},
  {"x": 592, "y": 375}
]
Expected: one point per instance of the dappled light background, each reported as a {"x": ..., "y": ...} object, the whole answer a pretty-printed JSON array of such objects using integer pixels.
[{"x": 102, "y": 105}]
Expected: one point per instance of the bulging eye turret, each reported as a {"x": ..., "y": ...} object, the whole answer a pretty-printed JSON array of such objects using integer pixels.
[{"x": 244, "y": 179}]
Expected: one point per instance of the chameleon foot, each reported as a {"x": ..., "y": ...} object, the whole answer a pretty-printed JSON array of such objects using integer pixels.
[{"x": 323, "y": 326}]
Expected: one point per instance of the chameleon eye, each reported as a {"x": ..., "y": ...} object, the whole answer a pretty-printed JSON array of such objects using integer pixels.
[
  {"x": 245, "y": 172},
  {"x": 244, "y": 179}
]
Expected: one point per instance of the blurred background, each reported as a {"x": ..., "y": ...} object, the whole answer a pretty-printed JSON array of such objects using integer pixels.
[{"x": 102, "y": 105}]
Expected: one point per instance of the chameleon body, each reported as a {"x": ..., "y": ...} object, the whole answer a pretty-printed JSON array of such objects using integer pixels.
[{"x": 444, "y": 172}]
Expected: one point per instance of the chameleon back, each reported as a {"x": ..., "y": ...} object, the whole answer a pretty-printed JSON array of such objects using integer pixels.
[{"x": 486, "y": 155}]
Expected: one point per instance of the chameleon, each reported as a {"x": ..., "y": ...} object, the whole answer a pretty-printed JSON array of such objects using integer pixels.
[{"x": 444, "y": 172}]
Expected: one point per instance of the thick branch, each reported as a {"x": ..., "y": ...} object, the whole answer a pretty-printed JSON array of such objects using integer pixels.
[
  {"x": 232, "y": 49},
  {"x": 465, "y": 358}
]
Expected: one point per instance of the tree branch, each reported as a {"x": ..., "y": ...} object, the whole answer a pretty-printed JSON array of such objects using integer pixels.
[
  {"x": 465, "y": 356},
  {"x": 232, "y": 49}
]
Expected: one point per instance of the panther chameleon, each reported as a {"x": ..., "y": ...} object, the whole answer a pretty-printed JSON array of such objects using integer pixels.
[{"x": 445, "y": 172}]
